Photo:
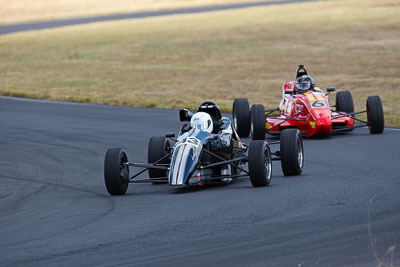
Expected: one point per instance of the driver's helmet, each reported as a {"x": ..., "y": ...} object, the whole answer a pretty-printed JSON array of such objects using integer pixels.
[
  {"x": 202, "y": 121},
  {"x": 304, "y": 83},
  {"x": 210, "y": 108}
]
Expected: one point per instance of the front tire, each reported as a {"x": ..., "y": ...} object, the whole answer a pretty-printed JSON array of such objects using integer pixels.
[
  {"x": 258, "y": 122},
  {"x": 260, "y": 163},
  {"x": 344, "y": 102},
  {"x": 241, "y": 116},
  {"x": 292, "y": 153},
  {"x": 376, "y": 120},
  {"x": 116, "y": 172},
  {"x": 158, "y": 147}
]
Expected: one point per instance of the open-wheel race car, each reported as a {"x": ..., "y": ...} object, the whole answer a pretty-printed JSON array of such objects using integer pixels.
[
  {"x": 207, "y": 150},
  {"x": 306, "y": 108}
]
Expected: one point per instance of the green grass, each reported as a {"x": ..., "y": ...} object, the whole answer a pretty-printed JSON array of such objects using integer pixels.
[{"x": 180, "y": 61}]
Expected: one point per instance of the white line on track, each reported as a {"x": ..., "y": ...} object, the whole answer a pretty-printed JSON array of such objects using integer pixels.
[{"x": 393, "y": 129}]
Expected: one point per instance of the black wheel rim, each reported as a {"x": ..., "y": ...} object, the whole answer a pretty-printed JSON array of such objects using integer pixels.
[{"x": 123, "y": 169}]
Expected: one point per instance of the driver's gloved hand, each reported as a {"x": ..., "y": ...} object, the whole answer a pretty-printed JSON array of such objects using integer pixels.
[{"x": 216, "y": 143}]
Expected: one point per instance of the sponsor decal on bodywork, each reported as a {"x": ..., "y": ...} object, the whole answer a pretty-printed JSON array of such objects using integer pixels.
[
  {"x": 298, "y": 108},
  {"x": 314, "y": 96}
]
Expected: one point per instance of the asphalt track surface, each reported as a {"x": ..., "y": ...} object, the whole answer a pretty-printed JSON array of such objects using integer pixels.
[
  {"x": 55, "y": 211},
  {"x": 49, "y": 24}
]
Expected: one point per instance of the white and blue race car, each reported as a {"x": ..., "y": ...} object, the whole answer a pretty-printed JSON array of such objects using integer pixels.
[{"x": 207, "y": 150}]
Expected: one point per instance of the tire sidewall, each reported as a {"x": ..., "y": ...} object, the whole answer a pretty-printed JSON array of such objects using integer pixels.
[
  {"x": 257, "y": 160},
  {"x": 113, "y": 164}
]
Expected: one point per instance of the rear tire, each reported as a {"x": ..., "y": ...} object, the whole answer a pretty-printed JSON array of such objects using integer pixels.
[
  {"x": 116, "y": 173},
  {"x": 241, "y": 116},
  {"x": 344, "y": 102},
  {"x": 260, "y": 163},
  {"x": 158, "y": 148},
  {"x": 258, "y": 122},
  {"x": 292, "y": 153},
  {"x": 376, "y": 120}
]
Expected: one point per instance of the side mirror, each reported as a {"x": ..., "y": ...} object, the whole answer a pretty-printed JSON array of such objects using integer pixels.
[
  {"x": 185, "y": 115},
  {"x": 330, "y": 89}
]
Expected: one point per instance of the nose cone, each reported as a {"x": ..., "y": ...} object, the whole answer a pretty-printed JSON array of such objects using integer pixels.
[
  {"x": 323, "y": 117},
  {"x": 183, "y": 163},
  {"x": 187, "y": 152},
  {"x": 323, "y": 121}
]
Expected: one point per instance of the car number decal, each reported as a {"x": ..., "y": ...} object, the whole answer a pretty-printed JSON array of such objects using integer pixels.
[
  {"x": 190, "y": 141},
  {"x": 318, "y": 104}
]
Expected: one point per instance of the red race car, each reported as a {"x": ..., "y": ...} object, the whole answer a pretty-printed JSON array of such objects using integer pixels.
[{"x": 306, "y": 108}]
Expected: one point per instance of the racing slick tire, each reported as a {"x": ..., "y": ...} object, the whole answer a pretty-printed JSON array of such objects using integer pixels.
[
  {"x": 258, "y": 122},
  {"x": 344, "y": 102},
  {"x": 241, "y": 116},
  {"x": 292, "y": 152},
  {"x": 260, "y": 163},
  {"x": 376, "y": 121},
  {"x": 116, "y": 172},
  {"x": 158, "y": 147}
]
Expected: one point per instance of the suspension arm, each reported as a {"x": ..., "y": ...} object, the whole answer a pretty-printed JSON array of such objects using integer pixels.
[
  {"x": 298, "y": 113},
  {"x": 149, "y": 167},
  {"x": 224, "y": 160}
]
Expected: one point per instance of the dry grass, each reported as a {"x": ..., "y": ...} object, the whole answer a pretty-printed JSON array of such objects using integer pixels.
[
  {"x": 12, "y": 11},
  {"x": 180, "y": 61}
]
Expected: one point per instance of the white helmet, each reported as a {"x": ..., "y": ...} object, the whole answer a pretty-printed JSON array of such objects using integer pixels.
[{"x": 202, "y": 121}]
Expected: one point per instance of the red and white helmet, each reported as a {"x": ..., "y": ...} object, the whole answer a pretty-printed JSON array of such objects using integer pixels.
[{"x": 202, "y": 121}]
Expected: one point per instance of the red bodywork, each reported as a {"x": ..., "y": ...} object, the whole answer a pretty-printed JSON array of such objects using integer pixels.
[{"x": 309, "y": 112}]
